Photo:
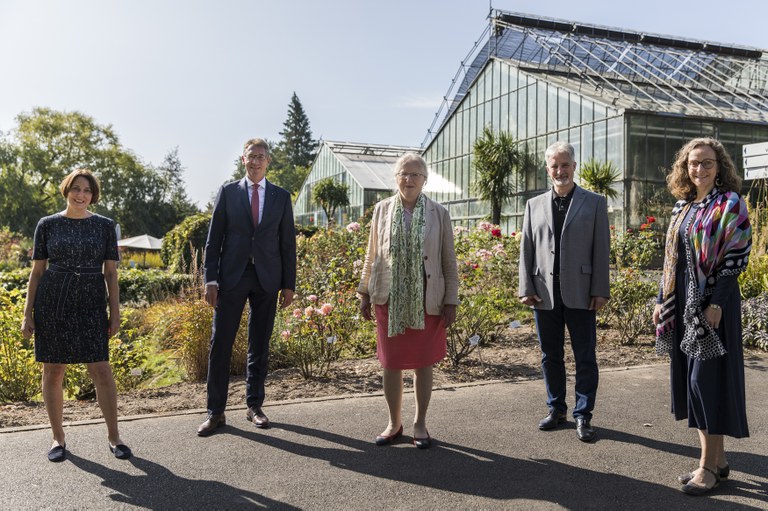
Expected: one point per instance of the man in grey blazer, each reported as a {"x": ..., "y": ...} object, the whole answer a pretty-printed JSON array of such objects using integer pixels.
[
  {"x": 250, "y": 255},
  {"x": 564, "y": 276}
]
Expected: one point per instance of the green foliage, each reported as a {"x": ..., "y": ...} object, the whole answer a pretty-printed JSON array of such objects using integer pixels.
[
  {"x": 15, "y": 250},
  {"x": 631, "y": 305},
  {"x": 15, "y": 279},
  {"x": 635, "y": 248},
  {"x": 600, "y": 176},
  {"x": 754, "y": 318},
  {"x": 330, "y": 195},
  {"x": 141, "y": 259},
  {"x": 754, "y": 280},
  {"x": 19, "y": 373},
  {"x": 487, "y": 265},
  {"x": 497, "y": 158},
  {"x": 183, "y": 245},
  {"x": 147, "y": 286}
]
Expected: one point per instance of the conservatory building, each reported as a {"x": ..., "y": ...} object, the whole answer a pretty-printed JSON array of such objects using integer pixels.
[
  {"x": 629, "y": 98},
  {"x": 367, "y": 170}
]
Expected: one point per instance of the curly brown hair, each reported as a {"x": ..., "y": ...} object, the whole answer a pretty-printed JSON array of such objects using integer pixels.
[
  {"x": 680, "y": 184},
  {"x": 66, "y": 184}
]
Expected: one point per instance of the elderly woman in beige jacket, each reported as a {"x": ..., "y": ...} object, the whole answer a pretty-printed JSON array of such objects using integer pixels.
[{"x": 410, "y": 277}]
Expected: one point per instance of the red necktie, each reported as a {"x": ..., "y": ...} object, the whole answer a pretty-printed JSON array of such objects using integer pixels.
[{"x": 255, "y": 204}]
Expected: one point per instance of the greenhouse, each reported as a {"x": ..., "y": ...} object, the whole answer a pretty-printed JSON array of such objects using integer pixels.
[{"x": 618, "y": 96}]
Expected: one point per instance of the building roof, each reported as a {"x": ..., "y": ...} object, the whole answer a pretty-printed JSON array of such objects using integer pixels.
[
  {"x": 625, "y": 69},
  {"x": 370, "y": 165}
]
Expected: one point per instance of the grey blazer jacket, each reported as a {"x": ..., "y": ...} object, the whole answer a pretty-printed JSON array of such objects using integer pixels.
[
  {"x": 440, "y": 272},
  {"x": 584, "y": 250}
]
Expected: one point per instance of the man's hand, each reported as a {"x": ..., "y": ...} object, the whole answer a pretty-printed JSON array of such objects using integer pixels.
[
  {"x": 597, "y": 303},
  {"x": 530, "y": 300},
  {"x": 212, "y": 294},
  {"x": 286, "y": 297}
]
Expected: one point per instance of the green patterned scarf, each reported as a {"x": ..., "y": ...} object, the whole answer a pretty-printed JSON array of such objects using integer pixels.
[{"x": 406, "y": 294}]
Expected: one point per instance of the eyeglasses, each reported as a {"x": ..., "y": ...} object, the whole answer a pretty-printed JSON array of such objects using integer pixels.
[
  {"x": 706, "y": 164},
  {"x": 407, "y": 175},
  {"x": 257, "y": 157}
]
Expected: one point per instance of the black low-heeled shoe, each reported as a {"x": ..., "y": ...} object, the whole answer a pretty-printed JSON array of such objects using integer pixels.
[
  {"x": 723, "y": 472},
  {"x": 58, "y": 453},
  {"x": 423, "y": 443},
  {"x": 387, "y": 439},
  {"x": 696, "y": 490},
  {"x": 121, "y": 451}
]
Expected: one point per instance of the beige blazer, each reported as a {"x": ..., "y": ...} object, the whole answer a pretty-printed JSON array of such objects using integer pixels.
[
  {"x": 584, "y": 250},
  {"x": 441, "y": 276}
]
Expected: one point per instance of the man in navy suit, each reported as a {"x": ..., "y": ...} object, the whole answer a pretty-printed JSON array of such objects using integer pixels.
[
  {"x": 250, "y": 255},
  {"x": 564, "y": 276}
]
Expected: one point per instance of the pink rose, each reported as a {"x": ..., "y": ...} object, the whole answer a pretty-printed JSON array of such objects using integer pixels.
[{"x": 326, "y": 309}]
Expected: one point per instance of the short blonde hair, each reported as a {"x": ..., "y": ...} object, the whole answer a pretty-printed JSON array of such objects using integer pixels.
[
  {"x": 680, "y": 184},
  {"x": 257, "y": 142},
  {"x": 66, "y": 184}
]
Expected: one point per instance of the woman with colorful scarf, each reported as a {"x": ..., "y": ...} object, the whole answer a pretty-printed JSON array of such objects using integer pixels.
[
  {"x": 698, "y": 310},
  {"x": 410, "y": 277}
]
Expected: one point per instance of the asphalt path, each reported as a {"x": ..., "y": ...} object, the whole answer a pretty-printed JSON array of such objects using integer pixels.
[{"x": 319, "y": 454}]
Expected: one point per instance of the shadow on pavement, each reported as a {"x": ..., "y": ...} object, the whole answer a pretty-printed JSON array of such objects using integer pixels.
[
  {"x": 462, "y": 469},
  {"x": 159, "y": 488}
]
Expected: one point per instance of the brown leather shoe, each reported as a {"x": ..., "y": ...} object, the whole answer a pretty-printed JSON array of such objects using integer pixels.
[
  {"x": 214, "y": 421},
  {"x": 256, "y": 415}
]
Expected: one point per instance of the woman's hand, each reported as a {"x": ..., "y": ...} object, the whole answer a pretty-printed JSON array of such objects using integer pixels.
[
  {"x": 28, "y": 327},
  {"x": 365, "y": 306},
  {"x": 114, "y": 324},
  {"x": 713, "y": 314},
  {"x": 449, "y": 315},
  {"x": 656, "y": 314}
]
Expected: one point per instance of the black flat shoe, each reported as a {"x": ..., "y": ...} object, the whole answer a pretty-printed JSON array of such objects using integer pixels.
[
  {"x": 723, "y": 472},
  {"x": 58, "y": 453},
  {"x": 423, "y": 443},
  {"x": 552, "y": 420},
  {"x": 387, "y": 439},
  {"x": 696, "y": 490},
  {"x": 584, "y": 430},
  {"x": 121, "y": 452}
]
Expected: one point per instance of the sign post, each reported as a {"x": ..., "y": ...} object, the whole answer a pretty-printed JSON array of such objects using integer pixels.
[{"x": 755, "y": 161}]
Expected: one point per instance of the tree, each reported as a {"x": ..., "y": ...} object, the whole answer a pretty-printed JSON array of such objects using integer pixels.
[
  {"x": 330, "y": 195},
  {"x": 497, "y": 158},
  {"x": 293, "y": 155},
  {"x": 600, "y": 177}
]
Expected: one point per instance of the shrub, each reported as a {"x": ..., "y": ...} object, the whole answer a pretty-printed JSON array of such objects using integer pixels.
[
  {"x": 754, "y": 317},
  {"x": 630, "y": 308},
  {"x": 635, "y": 248},
  {"x": 19, "y": 373},
  {"x": 15, "y": 279},
  {"x": 754, "y": 281},
  {"x": 147, "y": 286},
  {"x": 183, "y": 245},
  {"x": 15, "y": 250}
]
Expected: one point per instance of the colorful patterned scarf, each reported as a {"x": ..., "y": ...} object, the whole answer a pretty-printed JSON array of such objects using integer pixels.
[
  {"x": 718, "y": 244},
  {"x": 406, "y": 294}
]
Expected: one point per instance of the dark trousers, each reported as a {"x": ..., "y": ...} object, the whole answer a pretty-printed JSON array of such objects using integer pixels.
[
  {"x": 226, "y": 320},
  {"x": 550, "y": 325}
]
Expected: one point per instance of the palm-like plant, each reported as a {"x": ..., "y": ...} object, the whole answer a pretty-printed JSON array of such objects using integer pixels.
[
  {"x": 496, "y": 159},
  {"x": 600, "y": 177}
]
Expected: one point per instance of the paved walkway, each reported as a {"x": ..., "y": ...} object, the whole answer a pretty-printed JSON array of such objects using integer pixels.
[{"x": 319, "y": 455}]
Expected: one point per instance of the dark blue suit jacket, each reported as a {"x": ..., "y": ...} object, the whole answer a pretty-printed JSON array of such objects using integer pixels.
[{"x": 232, "y": 239}]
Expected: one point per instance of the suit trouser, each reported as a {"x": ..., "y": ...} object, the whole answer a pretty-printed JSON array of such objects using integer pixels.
[
  {"x": 226, "y": 321},
  {"x": 550, "y": 325}
]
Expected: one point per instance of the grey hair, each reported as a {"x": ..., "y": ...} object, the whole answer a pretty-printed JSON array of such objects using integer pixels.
[
  {"x": 409, "y": 157},
  {"x": 560, "y": 147}
]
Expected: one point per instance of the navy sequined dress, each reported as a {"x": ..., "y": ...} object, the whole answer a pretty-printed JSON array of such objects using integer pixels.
[{"x": 70, "y": 309}]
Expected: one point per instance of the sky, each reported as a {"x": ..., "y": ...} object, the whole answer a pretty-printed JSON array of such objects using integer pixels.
[{"x": 206, "y": 75}]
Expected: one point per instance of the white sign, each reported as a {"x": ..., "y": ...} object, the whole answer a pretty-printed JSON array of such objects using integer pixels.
[{"x": 755, "y": 161}]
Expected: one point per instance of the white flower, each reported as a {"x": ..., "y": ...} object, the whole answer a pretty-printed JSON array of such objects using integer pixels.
[{"x": 474, "y": 340}]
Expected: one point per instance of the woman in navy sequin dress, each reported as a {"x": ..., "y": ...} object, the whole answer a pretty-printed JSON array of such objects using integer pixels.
[{"x": 75, "y": 254}]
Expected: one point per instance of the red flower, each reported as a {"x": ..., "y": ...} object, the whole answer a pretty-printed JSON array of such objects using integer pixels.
[
  {"x": 629, "y": 229},
  {"x": 645, "y": 226},
  {"x": 496, "y": 233},
  {"x": 475, "y": 266},
  {"x": 513, "y": 233},
  {"x": 650, "y": 219},
  {"x": 613, "y": 227}
]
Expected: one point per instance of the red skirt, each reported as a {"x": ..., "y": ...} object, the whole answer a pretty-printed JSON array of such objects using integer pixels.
[{"x": 412, "y": 349}]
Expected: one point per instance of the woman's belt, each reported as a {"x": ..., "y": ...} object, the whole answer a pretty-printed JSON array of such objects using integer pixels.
[{"x": 70, "y": 273}]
